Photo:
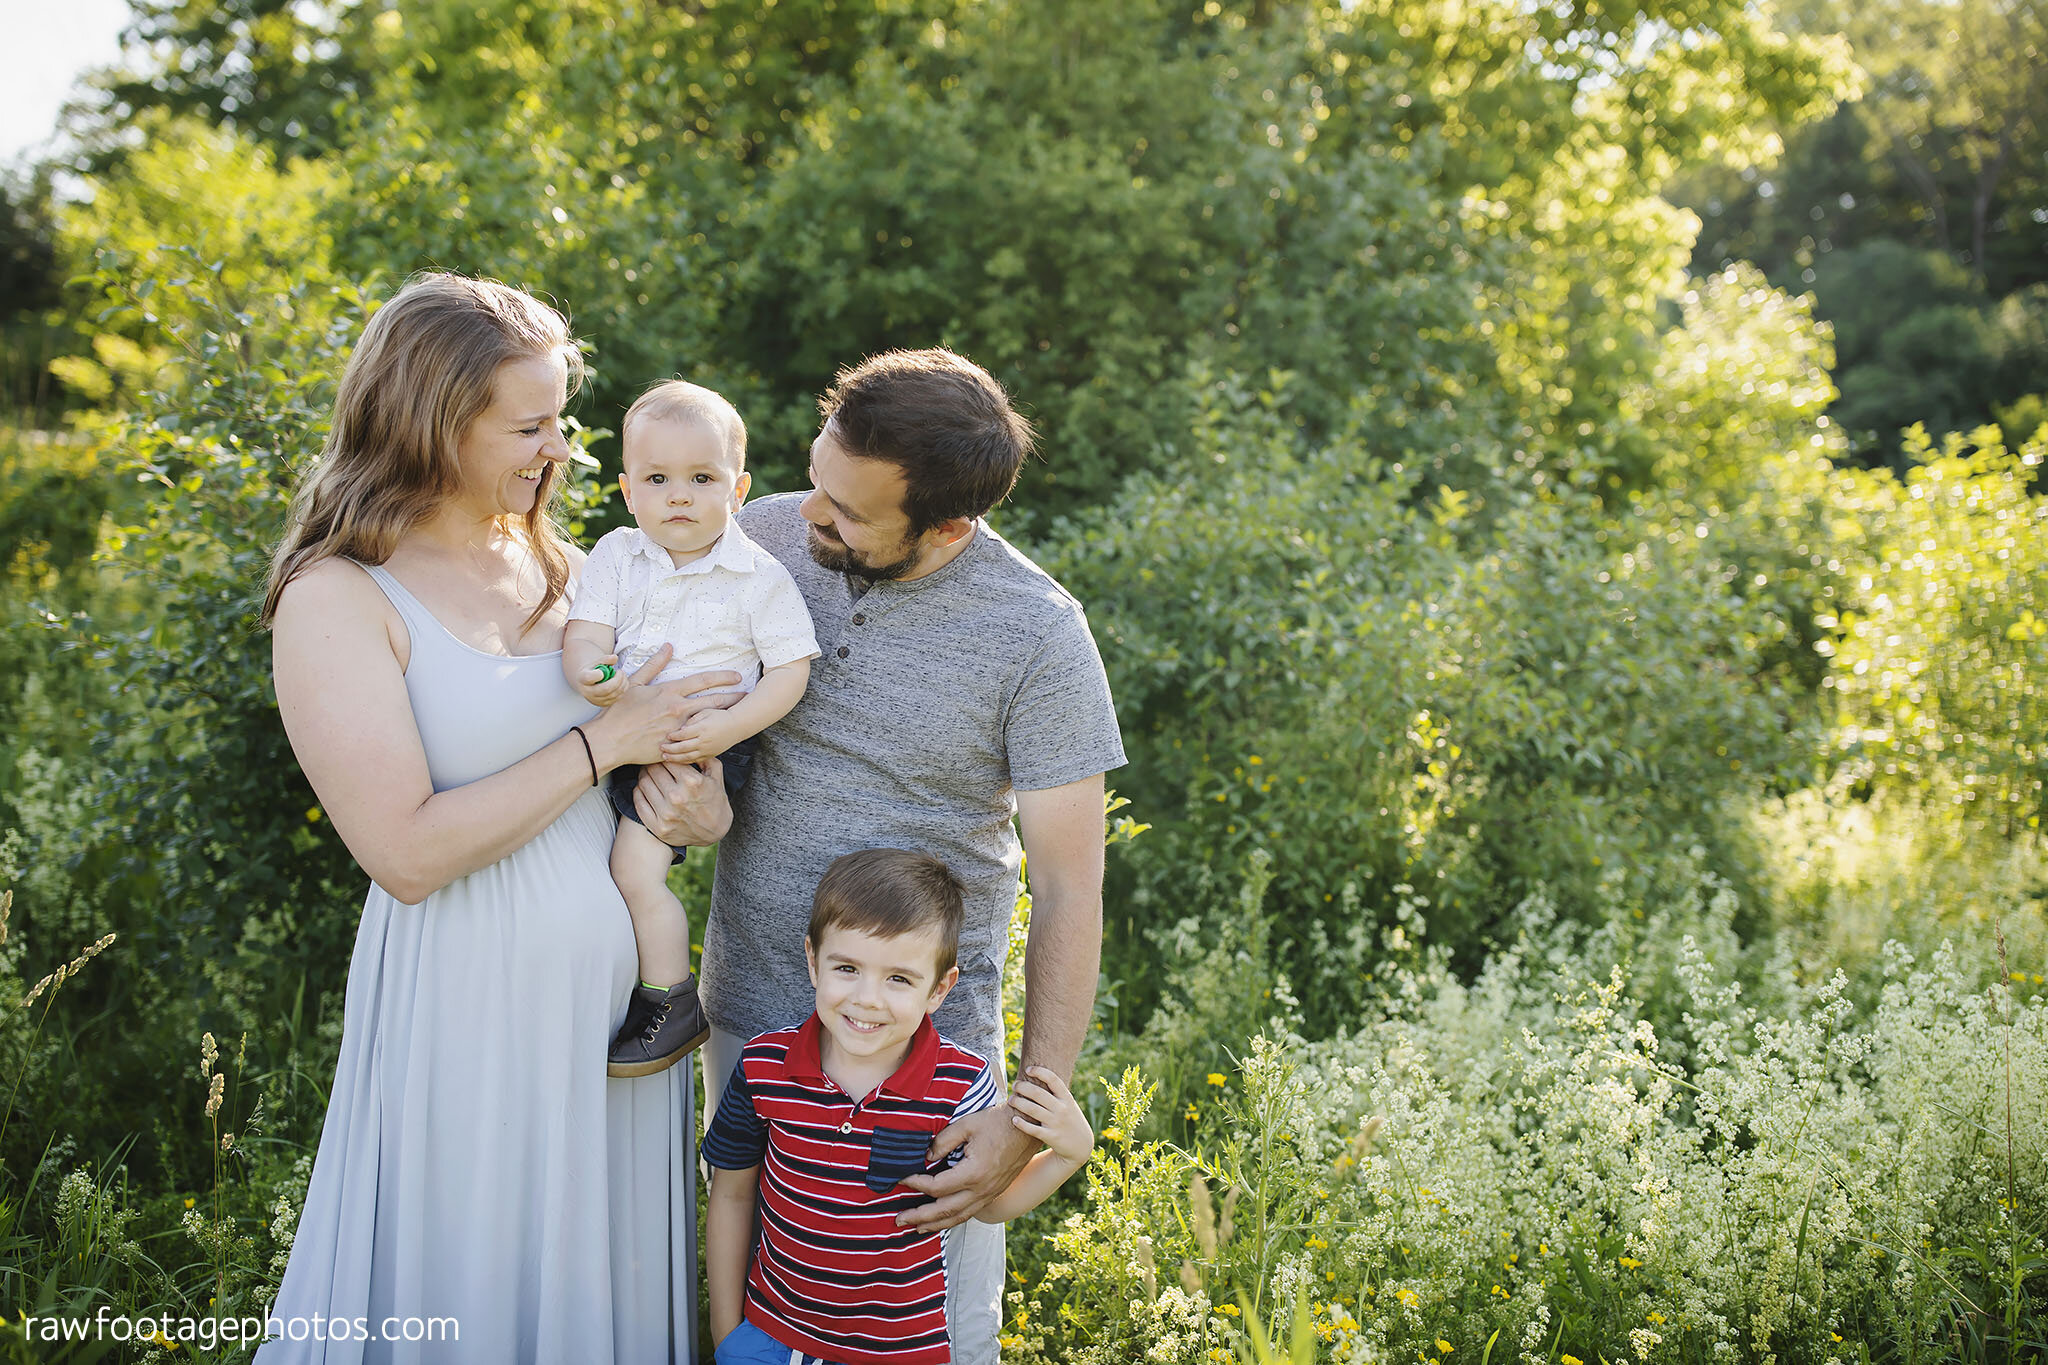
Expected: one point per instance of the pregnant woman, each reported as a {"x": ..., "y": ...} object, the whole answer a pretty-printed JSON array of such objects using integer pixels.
[{"x": 476, "y": 1165}]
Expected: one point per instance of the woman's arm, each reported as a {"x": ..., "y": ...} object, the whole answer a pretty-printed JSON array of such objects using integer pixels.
[
  {"x": 342, "y": 696},
  {"x": 729, "y": 1245}
]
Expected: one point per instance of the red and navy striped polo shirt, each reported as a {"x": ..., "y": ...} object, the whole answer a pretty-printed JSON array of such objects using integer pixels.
[{"x": 834, "y": 1276}]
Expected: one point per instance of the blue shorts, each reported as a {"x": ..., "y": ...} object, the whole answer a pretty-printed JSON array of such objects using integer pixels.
[{"x": 747, "y": 1344}]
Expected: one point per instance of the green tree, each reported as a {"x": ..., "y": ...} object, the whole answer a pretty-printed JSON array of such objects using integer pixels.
[{"x": 280, "y": 71}]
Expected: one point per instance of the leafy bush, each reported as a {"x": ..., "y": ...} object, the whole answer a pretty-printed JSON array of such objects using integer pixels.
[
  {"x": 1463, "y": 699},
  {"x": 1943, "y": 632},
  {"x": 1521, "y": 1165}
]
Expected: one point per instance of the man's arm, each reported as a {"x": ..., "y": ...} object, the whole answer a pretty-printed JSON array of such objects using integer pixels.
[{"x": 1061, "y": 829}]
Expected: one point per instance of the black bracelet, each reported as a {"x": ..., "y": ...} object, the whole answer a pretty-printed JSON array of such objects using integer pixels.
[{"x": 586, "y": 752}]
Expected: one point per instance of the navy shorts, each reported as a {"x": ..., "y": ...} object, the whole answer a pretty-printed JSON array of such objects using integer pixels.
[{"x": 735, "y": 761}]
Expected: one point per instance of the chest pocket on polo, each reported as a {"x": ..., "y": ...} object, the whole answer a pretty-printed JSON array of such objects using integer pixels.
[{"x": 895, "y": 1154}]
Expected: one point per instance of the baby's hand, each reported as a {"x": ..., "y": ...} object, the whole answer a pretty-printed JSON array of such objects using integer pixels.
[
  {"x": 603, "y": 683},
  {"x": 1044, "y": 1108},
  {"x": 707, "y": 736}
]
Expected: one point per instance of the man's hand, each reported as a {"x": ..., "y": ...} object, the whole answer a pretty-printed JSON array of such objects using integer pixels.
[
  {"x": 683, "y": 805},
  {"x": 996, "y": 1152}
]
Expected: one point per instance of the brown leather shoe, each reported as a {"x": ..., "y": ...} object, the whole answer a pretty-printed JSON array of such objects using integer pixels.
[{"x": 661, "y": 1029}]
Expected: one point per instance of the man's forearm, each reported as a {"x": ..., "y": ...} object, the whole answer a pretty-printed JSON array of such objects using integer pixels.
[{"x": 1061, "y": 959}]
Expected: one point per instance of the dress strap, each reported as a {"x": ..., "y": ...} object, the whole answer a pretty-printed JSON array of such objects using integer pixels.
[{"x": 419, "y": 622}]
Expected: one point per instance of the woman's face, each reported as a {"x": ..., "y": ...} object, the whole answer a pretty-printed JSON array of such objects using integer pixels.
[{"x": 505, "y": 452}]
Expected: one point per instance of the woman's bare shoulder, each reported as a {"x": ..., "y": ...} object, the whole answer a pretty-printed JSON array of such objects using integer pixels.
[
  {"x": 327, "y": 584},
  {"x": 332, "y": 598}
]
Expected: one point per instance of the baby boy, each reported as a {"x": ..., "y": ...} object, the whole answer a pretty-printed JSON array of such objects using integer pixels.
[{"x": 687, "y": 576}]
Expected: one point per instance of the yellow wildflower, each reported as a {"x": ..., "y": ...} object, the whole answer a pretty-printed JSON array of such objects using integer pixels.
[
  {"x": 1629, "y": 1262},
  {"x": 1573, "y": 1360},
  {"x": 1317, "y": 1244},
  {"x": 1443, "y": 1348},
  {"x": 1834, "y": 1336},
  {"x": 1655, "y": 1319},
  {"x": 1113, "y": 1134},
  {"x": 1408, "y": 1297},
  {"x": 1218, "y": 1078}
]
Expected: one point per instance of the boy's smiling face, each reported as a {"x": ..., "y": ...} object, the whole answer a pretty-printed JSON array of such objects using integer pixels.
[
  {"x": 681, "y": 484},
  {"x": 873, "y": 992}
]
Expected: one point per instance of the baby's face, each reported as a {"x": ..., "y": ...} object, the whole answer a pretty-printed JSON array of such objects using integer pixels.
[{"x": 681, "y": 485}]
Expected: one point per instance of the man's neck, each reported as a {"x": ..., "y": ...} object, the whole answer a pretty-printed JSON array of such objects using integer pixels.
[{"x": 941, "y": 555}]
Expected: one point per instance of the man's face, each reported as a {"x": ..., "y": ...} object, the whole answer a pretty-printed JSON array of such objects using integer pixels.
[{"x": 855, "y": 508}]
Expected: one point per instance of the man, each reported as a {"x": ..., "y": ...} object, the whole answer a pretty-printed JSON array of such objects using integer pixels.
[{"x": 959, "y": 687}]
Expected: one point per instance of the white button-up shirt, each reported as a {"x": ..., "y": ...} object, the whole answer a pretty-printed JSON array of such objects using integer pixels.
[{"x": 735, "y": 608}]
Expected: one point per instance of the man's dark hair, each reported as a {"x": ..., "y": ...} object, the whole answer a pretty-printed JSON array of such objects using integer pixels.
[
  {"x": 887, "y": 892},
  {"x": 939, "y": 418}
]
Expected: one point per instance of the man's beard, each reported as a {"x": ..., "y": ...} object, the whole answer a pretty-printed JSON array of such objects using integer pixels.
[{"x": 839, "y": 557}]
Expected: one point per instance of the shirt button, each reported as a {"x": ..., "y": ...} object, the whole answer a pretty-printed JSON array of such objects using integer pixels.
[
  {"x": 843, "y": 651},
  {"x": 860, "y": 618},
  {"x": 846, "y": 1127}
]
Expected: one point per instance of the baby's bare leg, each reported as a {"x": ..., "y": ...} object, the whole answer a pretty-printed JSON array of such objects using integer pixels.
[{"x": 640, "y": 864}]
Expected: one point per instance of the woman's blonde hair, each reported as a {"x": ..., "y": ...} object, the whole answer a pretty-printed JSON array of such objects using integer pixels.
[{"x": 424, "y": 370}]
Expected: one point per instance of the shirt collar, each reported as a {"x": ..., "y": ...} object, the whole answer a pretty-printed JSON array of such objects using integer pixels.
[
  {"x": 735, "y": 551},
  {"x": 910, "y": 1081}
]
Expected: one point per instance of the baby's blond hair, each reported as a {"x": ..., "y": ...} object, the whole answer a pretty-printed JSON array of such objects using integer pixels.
[{"x": 678, "y": 400}]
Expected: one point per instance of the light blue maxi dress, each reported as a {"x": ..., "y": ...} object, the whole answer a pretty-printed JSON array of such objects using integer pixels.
[{"x": 476, "y": 1163}]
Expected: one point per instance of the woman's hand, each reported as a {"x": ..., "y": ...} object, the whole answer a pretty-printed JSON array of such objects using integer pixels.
[
  {"x": 639, "y": 726},
  {"x": 684, "y": 745}
]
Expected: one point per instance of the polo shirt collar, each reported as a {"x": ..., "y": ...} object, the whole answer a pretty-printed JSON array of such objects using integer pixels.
[
  {"x": 910, "y": 1081},
  {"x": 735, "y": 550}
]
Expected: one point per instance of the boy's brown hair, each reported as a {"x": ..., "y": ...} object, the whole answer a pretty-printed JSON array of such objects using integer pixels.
[{"x": 887, "y": 892}]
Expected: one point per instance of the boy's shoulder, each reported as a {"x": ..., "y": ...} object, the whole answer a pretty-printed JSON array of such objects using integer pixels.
[
  {"x": 617, "y": 545},
  {"x": 775, "y": 1043},
  {"x": 961, "y": 1060},
  {"x": 742, "y": 553}
]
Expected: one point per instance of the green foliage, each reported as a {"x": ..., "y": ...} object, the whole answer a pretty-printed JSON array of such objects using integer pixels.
[
  {"x": 276, "y": 71},
  {"x": 1940, "y": 636},
  {"x": 1506, "y": 666},
  {"x": 1452, "y": 702},
  {"x": 1525, "y": 1161}
]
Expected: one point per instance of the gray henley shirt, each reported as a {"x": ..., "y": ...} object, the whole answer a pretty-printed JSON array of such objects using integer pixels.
[{"x": 934, "y": 701}]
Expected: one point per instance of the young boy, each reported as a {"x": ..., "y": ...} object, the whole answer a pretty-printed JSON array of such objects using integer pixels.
[
  {"x": 845, "y": 1106},
  {"x": 688, "y": 576}
]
